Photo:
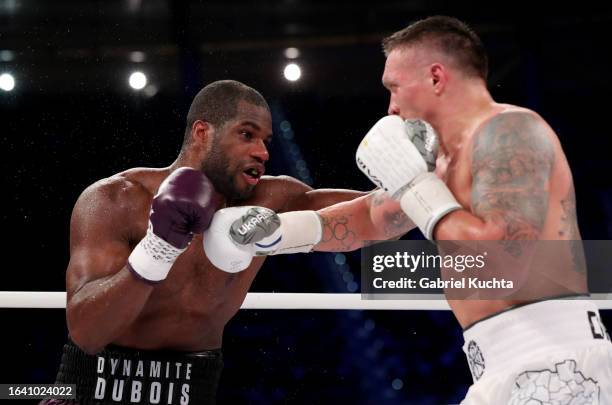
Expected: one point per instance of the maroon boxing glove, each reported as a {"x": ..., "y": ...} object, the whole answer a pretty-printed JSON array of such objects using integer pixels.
[{"x": 182, "y": 207}]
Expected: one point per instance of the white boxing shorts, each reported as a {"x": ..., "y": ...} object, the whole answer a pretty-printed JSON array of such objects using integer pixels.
[{"x": 554, "y": 352}]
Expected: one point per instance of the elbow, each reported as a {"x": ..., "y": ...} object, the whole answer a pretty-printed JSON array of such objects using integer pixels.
[
  {"x": 455, "y": 226},
  {"x": 82, "y": 335},
  {"x": 84, "y": 341}
]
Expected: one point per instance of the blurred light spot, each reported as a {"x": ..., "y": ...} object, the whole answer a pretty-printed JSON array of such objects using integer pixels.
[
  {"x": 137, "y": 56},
  {"x": 340, "y": 259},
  {"x": 292, "y": 72},
  {"x": 7, "y": 82},
  {"x": 292, "y": 53},
  {"x": 6, "y": 55},
  {"x": 151, "y": 90},
  {"x": 285, "y": 126},
  {"x": 138, "y": 80}
]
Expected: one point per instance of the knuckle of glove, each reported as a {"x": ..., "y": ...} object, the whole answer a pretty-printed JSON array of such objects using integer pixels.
[
  {"x": 186, "y": 198},
  {"x": 425, "y": 139},
  {"x": 187, "y": 185},
  {"x": 222, "y": 252},
  {"x": 254, "y": 225}
]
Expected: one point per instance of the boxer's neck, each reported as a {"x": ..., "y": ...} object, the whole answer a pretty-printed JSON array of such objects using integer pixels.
[
  {"x": 193, "y": 159},
  {"x": 460, "y": 113}
]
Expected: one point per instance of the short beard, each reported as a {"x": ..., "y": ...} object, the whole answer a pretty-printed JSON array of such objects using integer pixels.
[{"x": 216, "y": 168}]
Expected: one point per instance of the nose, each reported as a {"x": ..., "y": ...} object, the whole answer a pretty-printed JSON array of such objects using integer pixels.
[
  {"x": 260, "y": 152},
  {"x": 393, "y": 108}
]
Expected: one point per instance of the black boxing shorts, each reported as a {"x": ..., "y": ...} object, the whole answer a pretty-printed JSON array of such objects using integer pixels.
[{"x": 120, "y": 375}]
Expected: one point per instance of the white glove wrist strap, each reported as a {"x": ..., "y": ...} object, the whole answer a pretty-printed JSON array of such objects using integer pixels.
[
  {"x": 153, "y": 257},
  {"x": 427, "y": 200},
  {"x": 300, "y": 231}
]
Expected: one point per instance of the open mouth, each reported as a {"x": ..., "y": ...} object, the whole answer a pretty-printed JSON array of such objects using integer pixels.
[{"x": 252, "y": 175}]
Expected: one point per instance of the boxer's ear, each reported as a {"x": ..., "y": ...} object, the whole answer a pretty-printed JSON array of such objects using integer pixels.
[
  {"x": 202, "y": 132},
  {"x": 439, "y": 77}
]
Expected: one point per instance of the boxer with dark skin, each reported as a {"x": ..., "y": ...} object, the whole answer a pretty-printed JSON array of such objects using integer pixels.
[
  {"x": 189, "y": 309},
  {"x": 228, "y": 129}
]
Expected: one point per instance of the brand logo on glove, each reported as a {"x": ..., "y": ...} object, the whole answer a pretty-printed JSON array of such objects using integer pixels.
[
  {"x": 255, "y": 225},
  {"x": 368, "y": 173}
]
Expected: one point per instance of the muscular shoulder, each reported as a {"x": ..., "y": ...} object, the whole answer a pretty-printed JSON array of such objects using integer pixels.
[
  {"x": 114, "y": 205},
  {"x": 514, "y": 132},
  {"x": 120, "y": 191},
  {"x": 514, "y": 123},
  {"x": 276, "y": 192},
  {"x": 283, "y": 183},
  {"x": 512, "y": 160}
]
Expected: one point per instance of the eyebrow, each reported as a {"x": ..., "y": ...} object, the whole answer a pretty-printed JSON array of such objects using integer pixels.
[
  {"x": 255, "y": 126},
  {"x": 251, "y": 124}
]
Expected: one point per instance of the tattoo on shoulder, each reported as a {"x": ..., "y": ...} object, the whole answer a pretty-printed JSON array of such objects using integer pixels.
[{"x": 512, "y": 159}]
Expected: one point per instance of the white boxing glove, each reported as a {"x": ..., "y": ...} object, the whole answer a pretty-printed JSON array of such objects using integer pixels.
[
  {"x": 399, "y": 156},
  {"x": 219, "y": 247},
  {"x": 237, "y": 234}
]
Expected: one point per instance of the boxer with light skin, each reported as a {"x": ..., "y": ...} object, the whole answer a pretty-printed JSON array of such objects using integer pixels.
[
  {"x": 139, "y": 285},
  {"x": 500, "y": 175}
]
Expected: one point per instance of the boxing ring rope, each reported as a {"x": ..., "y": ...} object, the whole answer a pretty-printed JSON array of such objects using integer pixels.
[{"x": 51, "y": 299}]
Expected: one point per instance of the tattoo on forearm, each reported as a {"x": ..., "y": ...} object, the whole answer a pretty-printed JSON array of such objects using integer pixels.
[
  {"x": 512, "y": 159},
  {"x": 337, "y": 229},
  {"x": 396, "y": 223},
  {"x": 378, "y": 198}
]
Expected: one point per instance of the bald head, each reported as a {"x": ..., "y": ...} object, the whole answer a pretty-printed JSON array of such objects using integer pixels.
[{"x": 447, "y": 36}]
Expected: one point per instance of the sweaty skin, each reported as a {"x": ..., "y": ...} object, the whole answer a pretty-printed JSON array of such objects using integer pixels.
[
  {"x": 189, "y": 309},
  {"x": 515, "y": 183},
  {"x": 512, "y": 179},
  {"x": 504, "y": 165}
]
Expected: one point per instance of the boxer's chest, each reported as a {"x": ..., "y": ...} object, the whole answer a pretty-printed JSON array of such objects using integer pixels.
[
  {"x": 456, "y": 173},
  {"x": 195, "y": 286}
]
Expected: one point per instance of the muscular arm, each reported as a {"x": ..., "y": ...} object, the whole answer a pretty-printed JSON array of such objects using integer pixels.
[
  {"x": 349, "y": 217},
  {"x": 511, "y": 165},
  {"x": 104, "y": 298},
  {"x": 298, "y": 196},
  {"x": 348, "y": 226}
]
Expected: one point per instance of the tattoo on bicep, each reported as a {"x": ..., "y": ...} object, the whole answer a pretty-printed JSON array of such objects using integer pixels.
[
  {"x": 337, "y": 229},
  {"x": 568, "y": 230},
  {"x": 512, "y": 160}
]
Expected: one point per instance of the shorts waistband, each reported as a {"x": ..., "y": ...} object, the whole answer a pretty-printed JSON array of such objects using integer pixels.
[
  {"x": 530, "y": 330},
  {"x": 123, "y": 375}
]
